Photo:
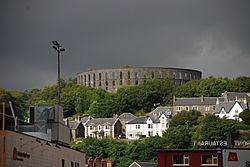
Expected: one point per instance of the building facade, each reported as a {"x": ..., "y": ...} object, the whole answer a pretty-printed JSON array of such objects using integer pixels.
[
  {"x": 112, "y": 79},
  {"x": 210, "y": 105},
  {"x": 103, "y": 127},
  {"x": 193, "y": 158},
  {"x": 230, "y": 110},
  {"x": 22, "y": 150},
  {"x": 151, "y": 125}
]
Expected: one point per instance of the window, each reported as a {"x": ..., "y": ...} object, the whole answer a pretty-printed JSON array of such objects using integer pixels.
[
  {"x": 180, "y": 160},
  {"x": 120, "y": 82},
  {"x": 99, "y": 127},
  {"x": 81, "y": 80},
  {"x": 207, "y": 108},
  {"x": 100, "y": 76},
  {"x": 120, "y": 75},
  {"x": 209, "y": 159},
  {"x": 150, "y": 133},
  {"x": 128, "y": 74},
  {"x": 178, "y": 108},
  {"x": 100, "y": 83},
  {"x": 63, "y": 162},
  {"x": 94, "y": 77},
  {"x": 213, "y": 107},
  {"x": 236, "y": 111},
  {"x": 187, "y": 108},
  {"x": 91, "y": 128},
  {"x": 113, "y": 82},
  {"x": 72, "y": 164},
  {"x": 89, "y": 77},
  {"x": 195, "y": 107},
  {"x": 106, "y": 127},
  {"x": 150, "y": 126},
  {"x": 136, "y": 82},
  {"x": 137, "y": 126}
]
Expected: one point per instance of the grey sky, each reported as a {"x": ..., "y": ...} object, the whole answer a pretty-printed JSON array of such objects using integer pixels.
[{"x": 208, "y": 35}]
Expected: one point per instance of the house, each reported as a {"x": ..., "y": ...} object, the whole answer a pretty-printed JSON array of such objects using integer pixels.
[
  {"x": 124, "y": 118},
  {"x": 186, "y": 157},
  {"x": 103, "y": 127},
  {"x": 230, "y": 110},
  {"x": 153, "y": 124},
  {"x": 143, "y": 164},
  {"x": 236, "y": 96},
  {"x": 203, "y": 104},
  {"x": 99, "y": 162},
  {"x": 77, "y": 130},
  {"x": 207, "y": 105}
]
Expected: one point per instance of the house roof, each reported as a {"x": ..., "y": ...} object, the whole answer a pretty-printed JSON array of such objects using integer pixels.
[
  {"x": 197, "y": 101},
  {"x": 228, "y": 106},
  {"x": 138, "y": 120},
  {"x": 84, "y": 119},
  {"x": 147, "y": 164},
  {"x": 126, "y": 116},
  {"x": 73, "y": 124},
  {"x": 100, "y": 121},
  {"x": 231, "y": 96},
  {"x": 156, "y": 113},
  {"x": 143, "y": 164}
]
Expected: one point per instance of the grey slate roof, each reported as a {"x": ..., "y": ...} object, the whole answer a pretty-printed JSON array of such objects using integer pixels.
[
  {"x": 84, "y": 120},
  {"x": 126, "y": 116},
  {"x": 231, "y": 96},
  {"x": 101, "y": 121},
  {"x": 146, "y": 164},
  {"x": 228, "y": 106},
  {"x": 138, "y": 120},
  {"x": 73, "y": 124},
  {"x": 197, "y": 101},
  {"x": 156, "y": 113}
]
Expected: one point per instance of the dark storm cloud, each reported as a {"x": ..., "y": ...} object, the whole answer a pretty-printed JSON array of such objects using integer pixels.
[{"x": 211, "y": 36}]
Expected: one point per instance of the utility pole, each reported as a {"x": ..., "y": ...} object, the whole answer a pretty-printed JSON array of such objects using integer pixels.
[
  {"x": 59, "y": 49},
  {"x": 3, "y": 137}
]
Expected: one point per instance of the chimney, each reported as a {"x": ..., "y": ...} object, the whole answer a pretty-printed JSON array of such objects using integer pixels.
[
  {"x": 202, "y": 98},
  {"x": 174, "y": 100},
  {"x": 245, "y": 100},
  {"x": 236, "y": 98},
  {"x": 217, "y": 101},
  {"x": 224, "y": 95}
]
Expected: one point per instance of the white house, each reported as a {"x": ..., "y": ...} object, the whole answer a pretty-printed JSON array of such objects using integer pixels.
[
  {"x": 230, "y": 110},
  {"x": 151, "y": 125}
]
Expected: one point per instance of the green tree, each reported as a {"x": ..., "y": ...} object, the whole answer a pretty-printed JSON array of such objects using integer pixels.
[
  {"x": 189, "y": 118},
  {"x": 178, "y": 137},
  {"x": 245, "y": 116},
  {"x": 212, "y": 128}
]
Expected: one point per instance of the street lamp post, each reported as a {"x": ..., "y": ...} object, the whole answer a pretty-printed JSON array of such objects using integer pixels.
[{"x": 59, "y": 49}]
